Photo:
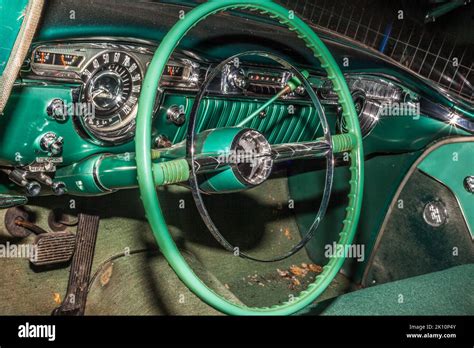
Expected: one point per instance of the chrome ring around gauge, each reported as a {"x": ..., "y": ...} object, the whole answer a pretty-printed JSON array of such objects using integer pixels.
[{"x": 112, "y": 84}]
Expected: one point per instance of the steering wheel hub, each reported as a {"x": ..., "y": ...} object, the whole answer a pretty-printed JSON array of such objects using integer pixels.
[{"x": 253, "y": 157}]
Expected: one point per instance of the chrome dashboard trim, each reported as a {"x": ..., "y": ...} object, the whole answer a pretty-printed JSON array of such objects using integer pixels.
[
  {"x": 89, "y": 51},
  {"x": 341, "y": 40},
  {"x": 432, "y": 109}
]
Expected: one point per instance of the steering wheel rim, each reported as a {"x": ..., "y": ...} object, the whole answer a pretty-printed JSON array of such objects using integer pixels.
[{"x": 144, "y": 163}]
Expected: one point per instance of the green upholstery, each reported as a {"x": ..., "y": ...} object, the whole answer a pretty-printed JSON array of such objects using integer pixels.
[{"x": 447, "y": 292}]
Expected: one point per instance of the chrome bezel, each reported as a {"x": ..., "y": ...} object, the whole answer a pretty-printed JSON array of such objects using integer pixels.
[
  {"x": 120, "y": 132},
  {"x": 91, "y": 50}
]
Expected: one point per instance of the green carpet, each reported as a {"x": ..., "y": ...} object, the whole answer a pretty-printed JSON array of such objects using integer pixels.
[
  {"x": 144, "y": 284},
  {"x": 447, "y": 292},
  {"x": 259, "y": 221}
]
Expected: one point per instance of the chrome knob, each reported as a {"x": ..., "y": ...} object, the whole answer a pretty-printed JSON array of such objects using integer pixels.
[
  {"x": 162, "y": 141},
  {"x": 52, "y": 143},
  {"x": 58, "y": 188},
  {"x": 469, "y": 183},
  {"x": 176, "y": 115},
  {"x": 237, "y": 79},
  {"x": 33, "y": 188}
]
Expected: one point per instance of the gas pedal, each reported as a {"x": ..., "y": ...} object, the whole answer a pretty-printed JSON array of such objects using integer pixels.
[
  {"x": 53, "y": 248},
  {"x": 75, "y": 300}
]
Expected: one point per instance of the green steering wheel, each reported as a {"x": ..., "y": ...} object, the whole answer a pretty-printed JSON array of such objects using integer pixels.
[{"x": 350, "y": 142}]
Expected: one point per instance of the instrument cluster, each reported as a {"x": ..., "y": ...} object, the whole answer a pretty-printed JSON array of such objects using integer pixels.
[{"x": 110, "y": 76}]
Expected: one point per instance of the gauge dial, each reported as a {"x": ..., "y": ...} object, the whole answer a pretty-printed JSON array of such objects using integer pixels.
[
  {"x": 112, "y": 86},
  {"x": 174, "y": 71},
  {"x": 68, "y": 60},
  {"x": 42, "y": 57}
]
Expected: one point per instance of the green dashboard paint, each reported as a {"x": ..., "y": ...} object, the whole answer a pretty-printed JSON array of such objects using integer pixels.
[
  {"x": 11, "y": 19},
  {"x": 25, "y": 119},
  {"x": 463, "y": 111}
]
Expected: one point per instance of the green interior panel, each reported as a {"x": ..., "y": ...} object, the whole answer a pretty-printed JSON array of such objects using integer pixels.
[
  {"x": 451, "y": 164},
  {"x": 384, "y": 172},
  {"x": 413, "y": 296},
  {"x": 11, "y": 14},
  {"x": 278, "y": 126},
  {"x": 407, "y": 246}
]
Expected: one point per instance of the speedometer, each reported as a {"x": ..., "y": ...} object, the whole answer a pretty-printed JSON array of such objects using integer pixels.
[{"x": 112, "y": 84}]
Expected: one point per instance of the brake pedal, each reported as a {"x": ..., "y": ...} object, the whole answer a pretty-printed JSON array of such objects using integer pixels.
[
  {"x": 75, "y": 300},
  {"x": 53, "y": 248}
]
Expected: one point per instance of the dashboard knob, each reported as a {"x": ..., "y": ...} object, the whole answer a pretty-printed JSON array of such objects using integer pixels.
[
  {"x": 300, "y": 90},
  {"x": 58, "y": 188},
  {"x": 162, "y": 141},
  {"x": 52, "y": 143},
  {"x": 33, "y": 188},
  {"x": 57, "y": 110},
  {"x": 237, "y": 79},
  {"x": 176, "y": 115}
]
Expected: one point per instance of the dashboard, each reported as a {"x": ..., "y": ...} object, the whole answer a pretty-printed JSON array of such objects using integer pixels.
[
  {"x": 83, "y": 98},
  {"x": 109, "y": 76}
]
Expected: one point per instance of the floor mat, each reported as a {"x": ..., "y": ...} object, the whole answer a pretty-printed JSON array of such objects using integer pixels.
[
  {"x": 259, "y": 220},
  {"x": 144, "y": 284},
  {"x": 448, "y": 292},
  {"x": 262, "y": 220}
]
